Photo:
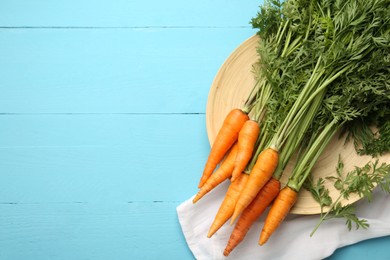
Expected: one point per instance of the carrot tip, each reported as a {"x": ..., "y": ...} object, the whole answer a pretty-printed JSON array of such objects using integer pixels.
[
  {"x": 212, "y": 231},
  {"x": 263, "y": 238},
  {"x": 236, "y": 213},
  {"x": 262, "y": 241},
  {"x": 226, "y": 252},
  {"x": 234, "y": 217}
]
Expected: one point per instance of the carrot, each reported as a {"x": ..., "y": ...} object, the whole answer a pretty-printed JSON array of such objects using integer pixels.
[
  {"x": 261, "y": 172},
  {"x": 222, "y": 173},
  {"x": 225, "y": 138},
  {"x": 251, "y": 213},
  {"x": 226, "y": 209},
  {"x": 247, "y": 138},
  {"x": 278, "y": 212}
]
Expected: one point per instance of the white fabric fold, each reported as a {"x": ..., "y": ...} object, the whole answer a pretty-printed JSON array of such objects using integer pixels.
[{"x": 291, "y": 239}]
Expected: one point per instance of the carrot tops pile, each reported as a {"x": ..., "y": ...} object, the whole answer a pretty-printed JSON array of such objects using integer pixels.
[{"x": 323, "y": 68}]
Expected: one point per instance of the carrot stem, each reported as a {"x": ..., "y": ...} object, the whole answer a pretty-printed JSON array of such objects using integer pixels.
[{"x": 305, "y": 164}]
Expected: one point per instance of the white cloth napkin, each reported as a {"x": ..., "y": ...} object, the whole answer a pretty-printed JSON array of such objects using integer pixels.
[{"x": 292, "y": 239}]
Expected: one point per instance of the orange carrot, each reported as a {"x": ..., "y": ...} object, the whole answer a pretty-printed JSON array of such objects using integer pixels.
[
  {"x": 261, "y": 172},
  {"x": 278, "y": 212},
  {"x": 226, "y": 209},
  {"x": 247, "y": 138},
  {"x": 251, "y": 213},
  {"x": 225, "y": 138},
  {"x": 222, "y": 173}
]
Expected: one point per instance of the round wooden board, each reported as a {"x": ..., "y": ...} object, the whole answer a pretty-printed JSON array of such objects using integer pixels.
[{"x": 230, "y": 88}]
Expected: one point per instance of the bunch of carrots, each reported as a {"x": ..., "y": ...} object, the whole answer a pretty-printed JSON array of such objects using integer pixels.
[{"x": 323, "y": 65}]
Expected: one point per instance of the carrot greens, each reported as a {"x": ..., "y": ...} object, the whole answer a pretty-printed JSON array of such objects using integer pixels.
[
  {"x": 323, "y": 70},
  {"x": 349, "y": 80},
  {"x": 361, "y": 181}
]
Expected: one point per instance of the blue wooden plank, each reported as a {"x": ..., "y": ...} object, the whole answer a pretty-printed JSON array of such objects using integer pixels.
[
  {"x": 100, "y": 158},
  {"x": 143, "y": 230},
  {"x": 124, "y": 13},
  {"x": 83, "y": 176},
  {"x": 91, "y": 231},
  {"x": 58, "y": 162},
  {"x": 111, "y": 70},
  {"x": 369, "y": 249}
]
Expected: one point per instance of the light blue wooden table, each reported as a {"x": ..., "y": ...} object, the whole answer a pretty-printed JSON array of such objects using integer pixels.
[{"x": 102, "y": 124}]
